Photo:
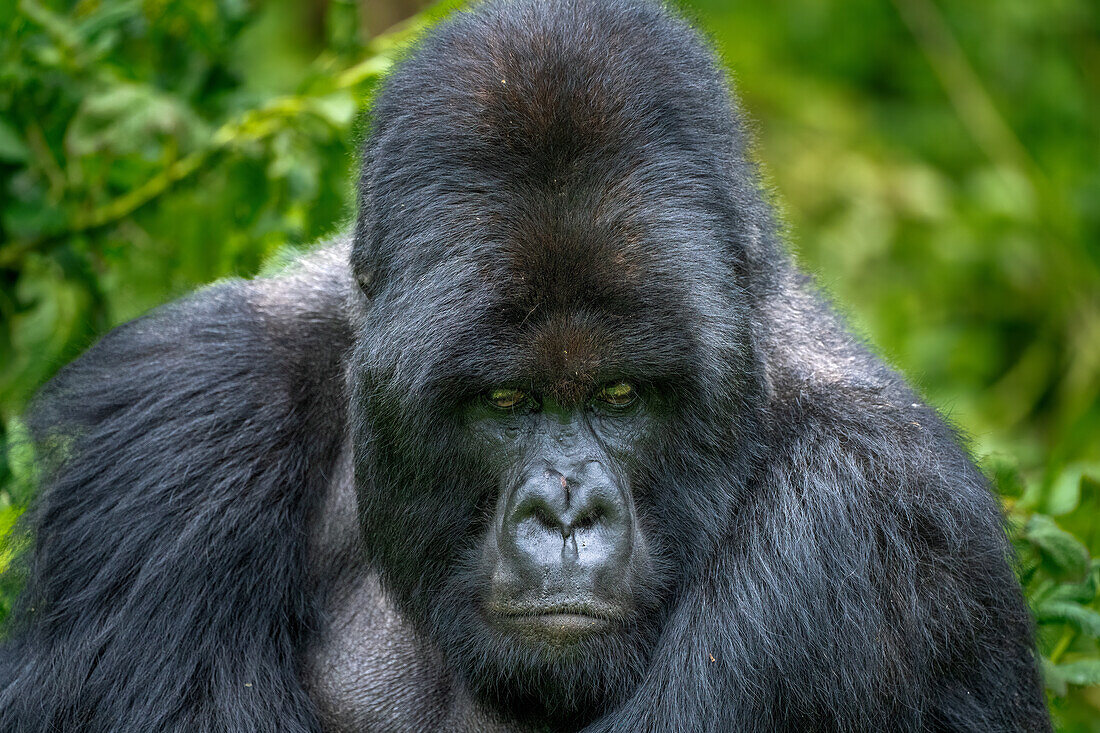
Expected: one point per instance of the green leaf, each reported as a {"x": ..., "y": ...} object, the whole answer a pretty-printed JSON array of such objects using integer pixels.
[
  {"x": 1083, "y": 521},
  {"x": 1083, "y": 619},
  {"x": 8, "y": 544},
  {"x": 1065, "y": 491},
  {"x": 1085, "y": 672},
  {"x": 1084, "y": 592},
  {"x": 19, "y": 453},
  {"x": 1064, "y": 556},
  {"x": 1005, "y": 474},
  {"x": 338, "y": 109},
  {"x": 130, "y": 118},
  {"x": 1053, "y": 678}
]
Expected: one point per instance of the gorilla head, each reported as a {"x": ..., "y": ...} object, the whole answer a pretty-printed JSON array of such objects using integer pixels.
[{"x": 553, "y": 380}]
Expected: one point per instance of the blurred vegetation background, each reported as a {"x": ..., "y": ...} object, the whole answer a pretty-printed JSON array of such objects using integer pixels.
[{"x": 937, "y": 161}]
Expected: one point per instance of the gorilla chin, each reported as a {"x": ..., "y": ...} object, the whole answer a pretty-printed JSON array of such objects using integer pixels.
[{"x": 558, "y": 438}]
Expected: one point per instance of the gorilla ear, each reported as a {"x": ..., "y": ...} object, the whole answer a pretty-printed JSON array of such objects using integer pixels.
[
  {"x": 365, "y": 279},
  {"x": 366, "y": 260},
  {"x": 365, "y": 267}
]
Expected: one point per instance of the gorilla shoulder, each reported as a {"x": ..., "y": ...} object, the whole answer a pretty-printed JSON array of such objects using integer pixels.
[{"x": 180, "y": 454}]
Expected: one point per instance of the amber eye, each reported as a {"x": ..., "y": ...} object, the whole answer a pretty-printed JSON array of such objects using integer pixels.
[
  {"x": 618, "y": 394},
  {"x": 506, "y": 399}
]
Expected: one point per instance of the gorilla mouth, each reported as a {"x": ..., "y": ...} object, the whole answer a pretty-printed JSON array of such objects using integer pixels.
[
  {"x": 557, "y": 624},
  {"x": 554, "y": 623}
]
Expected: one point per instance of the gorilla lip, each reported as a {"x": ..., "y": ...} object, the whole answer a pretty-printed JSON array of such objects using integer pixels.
[
  {"x": 572, "y": 620},
  {"x": 552, "y": 624},
  {"x": 568, "y": 623}
]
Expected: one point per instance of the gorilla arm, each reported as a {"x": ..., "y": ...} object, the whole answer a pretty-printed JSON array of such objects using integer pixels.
[{"x": 869, "y": 554}]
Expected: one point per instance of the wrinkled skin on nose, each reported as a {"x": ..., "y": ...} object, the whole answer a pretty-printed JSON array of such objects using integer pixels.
[
  {"x": 565, "y": 525},
  {"x": 565, "y": 537}
]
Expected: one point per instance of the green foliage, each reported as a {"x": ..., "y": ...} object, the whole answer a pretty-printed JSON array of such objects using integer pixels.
[
  {"x": 1060, "y": 572},
  {"x": 937, "y": 162}
]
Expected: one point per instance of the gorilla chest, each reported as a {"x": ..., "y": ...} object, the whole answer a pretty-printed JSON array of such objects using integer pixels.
[{"x": 367, "y": 671}]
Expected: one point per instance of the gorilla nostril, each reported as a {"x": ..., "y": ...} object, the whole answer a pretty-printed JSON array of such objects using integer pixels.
[
  {"x": 539, "y": 509},
  {"x": 596, "y": 511},
  {"x": 591, "y": 514},
  {"x": 542, "y": 514},
  {"x": 586, "y": 519}
]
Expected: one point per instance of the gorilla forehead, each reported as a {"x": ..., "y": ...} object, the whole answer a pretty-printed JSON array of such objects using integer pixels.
[
  {"x": 465, "y": 334},
  {"x": 553, "y": 293},
  {"x": 546, "y": 177}
]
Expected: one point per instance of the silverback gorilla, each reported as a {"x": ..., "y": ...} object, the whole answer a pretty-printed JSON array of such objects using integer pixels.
[{"x": 557, "y": 439}]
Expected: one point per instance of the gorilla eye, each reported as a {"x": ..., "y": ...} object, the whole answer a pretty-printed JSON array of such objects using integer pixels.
[
  {"x": 506, "y": 399},
  {"x": 618, "y": 394}
]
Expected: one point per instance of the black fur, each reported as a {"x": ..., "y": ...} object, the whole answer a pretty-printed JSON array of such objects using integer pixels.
[{"x": 552, "y": 190}]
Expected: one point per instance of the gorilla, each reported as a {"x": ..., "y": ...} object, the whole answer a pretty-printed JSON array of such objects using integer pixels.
[{"x": 556, "y": 438}]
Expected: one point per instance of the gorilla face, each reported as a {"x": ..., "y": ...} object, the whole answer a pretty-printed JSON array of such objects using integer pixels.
[{"x": 564, "y": 552}]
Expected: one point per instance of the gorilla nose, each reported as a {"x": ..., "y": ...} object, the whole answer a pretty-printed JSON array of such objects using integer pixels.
[{"x": 568, "y": 529}]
